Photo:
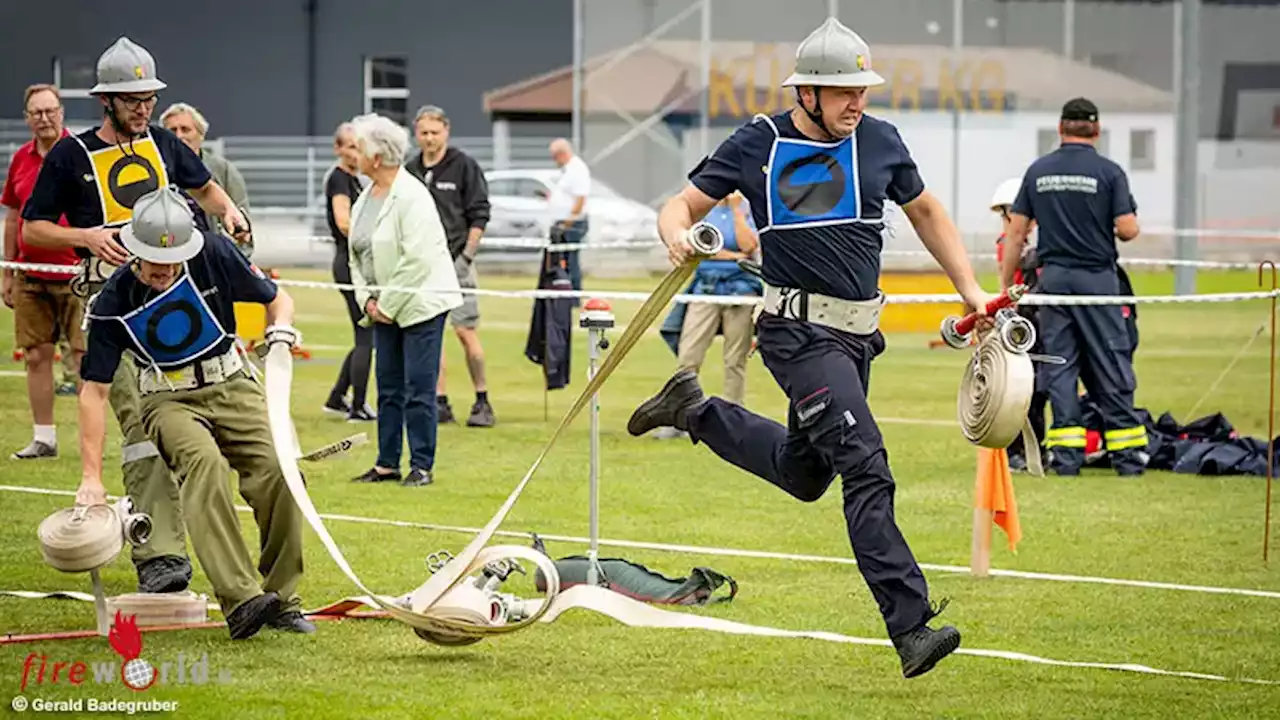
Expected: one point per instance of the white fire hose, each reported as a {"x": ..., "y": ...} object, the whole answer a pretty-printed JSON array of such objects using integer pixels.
[
  {"x": 447, "y": 609},
  {"x": 999, "y": 380}
]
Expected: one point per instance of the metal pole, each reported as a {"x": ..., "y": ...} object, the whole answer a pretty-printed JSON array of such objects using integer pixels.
[
  {"x": 577, "y": 75},
  {"x": 704, "y": 106},
  {"x": 1069, "y": 29},
  {"x": 596, "y": 317},
  {"x": 595, "y": 336},
  {"x": 957, "y": 42},
  {"x": 1187, "y": 61}
]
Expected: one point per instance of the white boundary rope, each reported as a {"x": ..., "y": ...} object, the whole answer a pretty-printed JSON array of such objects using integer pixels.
[
  {"x": 641, "y": 615},
  {"x": 750, "y": 554},
  {"x": 902, "y": 299}
]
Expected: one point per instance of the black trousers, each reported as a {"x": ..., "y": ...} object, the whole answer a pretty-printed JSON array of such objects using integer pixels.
[
  {"x": 1098, "y": 349},
  {"x": 829, "y": 432},
  {"x": 359, "y": 360}
]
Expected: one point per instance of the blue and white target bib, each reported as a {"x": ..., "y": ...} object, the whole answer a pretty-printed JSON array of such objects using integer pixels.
[
  {"x": 175, "y": 328},
  {"x": 813, "y": 184}
]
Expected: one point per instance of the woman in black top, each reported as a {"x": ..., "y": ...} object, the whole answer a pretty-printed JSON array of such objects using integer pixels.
[{"x": 341, "y": 189}]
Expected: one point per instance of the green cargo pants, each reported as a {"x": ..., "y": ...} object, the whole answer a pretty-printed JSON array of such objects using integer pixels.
[
  {"x": 147, "y": 480},
  {"x": 204, "y": 434}
]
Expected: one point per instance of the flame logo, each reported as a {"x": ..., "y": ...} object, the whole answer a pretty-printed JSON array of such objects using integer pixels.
[
  {"x": 124, "y": 636},
  {"x": 137, "y": 674}
]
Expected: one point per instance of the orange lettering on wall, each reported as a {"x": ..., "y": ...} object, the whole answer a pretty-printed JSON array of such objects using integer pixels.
[
  {"x": 721, "y": 93},
  {"x": 772, "y": 94},
  {"x": 989, "y": 75},
  {"x": 949, "y": 85},
  {"x": 907, "y": 76}
]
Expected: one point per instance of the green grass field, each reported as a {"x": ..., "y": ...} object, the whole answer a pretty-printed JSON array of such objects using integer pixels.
[{"x": 1163, "y": 527}]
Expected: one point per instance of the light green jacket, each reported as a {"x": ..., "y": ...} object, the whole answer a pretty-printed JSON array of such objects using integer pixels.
[{"x": 410, "y": 253}]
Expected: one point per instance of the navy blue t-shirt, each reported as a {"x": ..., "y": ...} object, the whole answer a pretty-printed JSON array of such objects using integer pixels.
[
  {"x": 1075, "y": 195},
  {"x": 819, "y": 205},
  {"x": 101, "y": 190},
  {"x": 222, "y": 277}
]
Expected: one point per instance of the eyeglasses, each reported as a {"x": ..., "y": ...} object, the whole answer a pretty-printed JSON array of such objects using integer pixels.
[
  {"x": 133, "y": 103},
  {"x": 44, "y": 113}
]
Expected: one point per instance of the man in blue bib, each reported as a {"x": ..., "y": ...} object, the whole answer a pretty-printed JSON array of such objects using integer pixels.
[
  {"x": 172, "y": 309},
  {"x": 816, "y": 179}
]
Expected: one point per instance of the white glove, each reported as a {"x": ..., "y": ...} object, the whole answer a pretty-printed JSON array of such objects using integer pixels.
[{"x": 287, "y": 334}]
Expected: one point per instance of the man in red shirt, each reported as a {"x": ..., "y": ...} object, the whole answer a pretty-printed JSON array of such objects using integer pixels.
[{"x": 44, "y": 307}]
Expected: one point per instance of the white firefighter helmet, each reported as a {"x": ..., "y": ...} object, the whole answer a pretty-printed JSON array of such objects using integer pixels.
[
  {"x": 1006, "y": 193},
  {"x": 163, "y": 229},
  {"x": 833, "y": 56},
  {"x": 126, "y": 67}
]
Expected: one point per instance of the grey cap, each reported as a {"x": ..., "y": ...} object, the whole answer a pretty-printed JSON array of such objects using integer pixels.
[
  {"x": 163, "y": 229},
  {"x": 126, "y": 67},
  {"x": 833, "y": 56}
]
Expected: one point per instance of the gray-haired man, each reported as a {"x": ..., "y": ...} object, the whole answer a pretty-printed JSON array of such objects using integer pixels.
[{"x": 457, "y": 183}]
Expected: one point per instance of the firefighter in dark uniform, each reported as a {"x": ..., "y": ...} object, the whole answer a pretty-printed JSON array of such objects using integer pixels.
[
  {"x": 94, "y": 179},
  {"x": 816, "y": 179},
  {"x": 1081, "y": 202}
]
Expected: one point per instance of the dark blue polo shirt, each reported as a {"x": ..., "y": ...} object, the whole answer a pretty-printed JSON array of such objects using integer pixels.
[
  {"x": 819, "y": 206},
  {"x": 222, "y": 276},
  {"x": 1075, "y": 195},
  {"x": 88, "y": 179}
]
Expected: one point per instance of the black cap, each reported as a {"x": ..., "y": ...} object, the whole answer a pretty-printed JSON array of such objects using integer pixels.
[{"x": 1080, "y": 109}]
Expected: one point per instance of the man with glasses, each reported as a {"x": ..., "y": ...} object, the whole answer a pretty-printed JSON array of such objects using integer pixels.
[
  {"x": 44, "y": 308},
  {"x": 94, "y": 179}
]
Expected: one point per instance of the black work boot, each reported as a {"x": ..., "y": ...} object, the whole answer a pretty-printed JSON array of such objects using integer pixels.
[
  {"x": 670, "y": 407},
  {"x": 164, "y": 574},
  {"x": 924, "y": 647},
  {"x": 292, "y": 621},
  {"x": 245, "y": 621}
]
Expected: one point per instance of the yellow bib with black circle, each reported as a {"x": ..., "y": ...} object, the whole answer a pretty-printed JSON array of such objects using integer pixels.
[{"x": 124, "y": 173}]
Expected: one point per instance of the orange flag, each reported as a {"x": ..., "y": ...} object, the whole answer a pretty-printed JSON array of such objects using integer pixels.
[{"x": 994, "y": 492}]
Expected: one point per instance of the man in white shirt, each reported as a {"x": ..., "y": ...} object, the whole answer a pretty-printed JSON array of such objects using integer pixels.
[{"x": 568, "y": 205}]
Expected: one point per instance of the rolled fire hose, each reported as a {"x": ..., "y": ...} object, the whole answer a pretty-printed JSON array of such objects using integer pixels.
[
  {"x": 84, "y": 538},
  {"x": 443, "y": 611},
  {"x": 999, "y": 379}
]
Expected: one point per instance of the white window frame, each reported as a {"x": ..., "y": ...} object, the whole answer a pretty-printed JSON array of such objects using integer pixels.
[
  {"x": 1147, "y": 163},
  {"x": 67, "y": 92},
  {"x": 372, "y": 93}
]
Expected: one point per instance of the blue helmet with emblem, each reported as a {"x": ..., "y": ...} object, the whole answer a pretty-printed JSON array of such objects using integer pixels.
[{"x": 163, "y": 229}]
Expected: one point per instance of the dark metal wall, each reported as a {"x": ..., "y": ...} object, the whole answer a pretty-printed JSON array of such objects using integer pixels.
[{"x": 245, "y": 63}]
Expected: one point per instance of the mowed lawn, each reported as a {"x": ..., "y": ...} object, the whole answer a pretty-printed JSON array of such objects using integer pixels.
[{"x": 1163, "y": 527}]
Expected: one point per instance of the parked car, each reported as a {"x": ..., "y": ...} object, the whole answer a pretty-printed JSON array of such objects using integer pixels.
[{"x": 519, "y": 200}]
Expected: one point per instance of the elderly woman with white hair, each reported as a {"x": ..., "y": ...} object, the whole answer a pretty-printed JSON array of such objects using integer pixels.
[{"x": 406, "y": 285}]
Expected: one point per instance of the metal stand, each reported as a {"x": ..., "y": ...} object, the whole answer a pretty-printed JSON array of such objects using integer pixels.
[{"x": 596, "y": 317}]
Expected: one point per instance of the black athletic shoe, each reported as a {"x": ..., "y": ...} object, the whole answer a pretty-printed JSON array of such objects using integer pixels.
[
  {"x": 292, "y": 621},
  {"x": 444, "y": 412},
  {"x": 417, "y": 478},
  {"x": 164, "y": 574},
  {"x": 670, "y": 406},
  {"x": 246, "y": 620},
  {"x": 372, "y": 476},
  {"x": 481, "y": 415},
  {"x": 924, "y": 647}
]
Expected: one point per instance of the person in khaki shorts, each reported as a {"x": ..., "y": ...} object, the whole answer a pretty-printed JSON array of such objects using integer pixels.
[
  {"x": 173, "y": 309},
  {"x": 45, "y": 309},
  {"x": 692, "y": 328}
]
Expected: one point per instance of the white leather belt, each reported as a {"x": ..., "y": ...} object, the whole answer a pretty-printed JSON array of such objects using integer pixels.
[
  {"x": 193, "y": 376},
  {"x": 860, "y": 317}
]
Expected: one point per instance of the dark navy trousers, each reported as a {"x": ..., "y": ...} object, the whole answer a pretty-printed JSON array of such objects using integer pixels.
[
  {"x": 1098, "y": 349},
  {"x": 829, "y": 432}
]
